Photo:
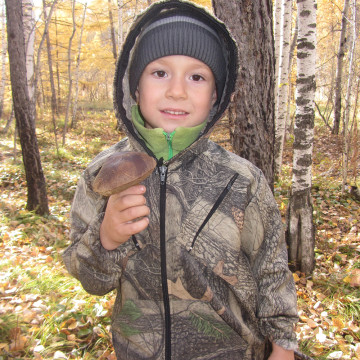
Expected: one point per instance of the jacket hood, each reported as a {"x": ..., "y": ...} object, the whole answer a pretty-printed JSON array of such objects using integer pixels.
[{"x": 123, "y": 101}]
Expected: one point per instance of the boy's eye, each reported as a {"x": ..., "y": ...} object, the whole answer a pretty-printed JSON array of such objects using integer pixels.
[
  {"x": 159, "y": 73},
  {"x": 196, "y": 77}
]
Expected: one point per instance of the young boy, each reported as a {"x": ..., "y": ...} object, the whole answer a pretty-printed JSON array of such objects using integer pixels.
[{"x": 196, "y": 252}]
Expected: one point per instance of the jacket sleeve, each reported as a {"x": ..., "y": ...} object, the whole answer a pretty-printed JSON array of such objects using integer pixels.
[
  {"x": 98, "y": 269},
  {"x": 263, "y": 229}
]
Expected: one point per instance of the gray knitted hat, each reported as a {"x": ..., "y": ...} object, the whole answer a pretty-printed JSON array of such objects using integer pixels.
[{"x": 178, "y": 35}]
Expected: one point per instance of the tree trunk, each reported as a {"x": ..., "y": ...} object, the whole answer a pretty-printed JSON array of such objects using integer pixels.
[
  {"x": 36, "y": 197},
  {"x": 9, "y": 122},
  {"x": 251, "y": 114},
  {"x": 283, "y": 89},
  {"x": 347, "y": 133},
  {"x": 52, "y": 83},
  {"x": 57, "y": 67},
  {"x": 120, "y": 23},
  {"x": 69, "y": 74},
  {"x": 112, "y": 30},
  {"x": 290, "y": 92},
  {"x": 29, "y": 35},
  {"x": 38, "y": 58},
  {"x": 355, "y": 137},
  {"x": 339, "y": 69},
  {"x": 277, "y": 35},
  {"x": 300, "y": 228},
  {"x": 77, "y": 71},
  {"x": 3, "y": 60}
]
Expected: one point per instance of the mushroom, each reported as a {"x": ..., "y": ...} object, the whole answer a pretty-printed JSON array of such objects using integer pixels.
[{"x": 122, "y": 170}]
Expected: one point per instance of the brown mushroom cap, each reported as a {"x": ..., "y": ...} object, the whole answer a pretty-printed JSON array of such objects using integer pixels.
[{"x": 122, "y": 170}]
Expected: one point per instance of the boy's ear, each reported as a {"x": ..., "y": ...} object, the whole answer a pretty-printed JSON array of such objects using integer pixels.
[
  {"x": 214, "y": 97},
  {"x": 137, "y": 95}
]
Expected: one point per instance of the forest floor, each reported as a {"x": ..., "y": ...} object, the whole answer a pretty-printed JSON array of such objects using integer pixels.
[{"x": 45, "y": 314}]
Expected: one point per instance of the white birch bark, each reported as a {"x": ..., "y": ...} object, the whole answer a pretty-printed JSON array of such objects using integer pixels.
[
  {"x": 283, "y": 84},
  {"x": 3, "y": 59},
  {"x": 300, "y": 229},
  {"x": 277, "y": 22},
  {"x": 29, "y": 36},
  {"x": 347, "y": 134}
]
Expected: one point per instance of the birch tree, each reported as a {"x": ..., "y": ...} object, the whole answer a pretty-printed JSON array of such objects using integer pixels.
[
  {"x": 251, "y": 113},
  {"x": 36, "y": 186},
  {"x": 339, "y": 69},
  {"x": 77, "y": 70},
  {"x": 277, "y": 35},
  {"x": 283, "y": 83},
  {"x": 3, "y": 59},
  {"x": 57, "y": 64},
  {"x": 29, "y": 35},
  {"x": 52, "y": 83},
  {"x": 112, "y": 30},
  {"x": 300, "y": 228},
  {"x": 39, "y": 50},
  {"x": 68, "y": 104},
  {"x": 347, "y": 134},
  {"x": 120, "y": 23}
]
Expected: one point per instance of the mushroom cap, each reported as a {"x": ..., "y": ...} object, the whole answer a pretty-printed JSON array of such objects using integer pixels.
[{"x": 122, "y": 170}]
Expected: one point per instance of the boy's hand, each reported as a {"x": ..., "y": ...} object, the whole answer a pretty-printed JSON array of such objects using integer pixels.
[
  {"x": 279, "y": 353},
  {"x": 121, "y": 211}
]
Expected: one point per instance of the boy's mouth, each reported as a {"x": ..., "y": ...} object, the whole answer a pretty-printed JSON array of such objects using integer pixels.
[{"x": 175, "y": 112}]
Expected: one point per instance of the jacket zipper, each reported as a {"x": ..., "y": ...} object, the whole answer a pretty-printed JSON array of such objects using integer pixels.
[
  {"x": 169, "y": 137},
  {"x": 163, "y": 177}
]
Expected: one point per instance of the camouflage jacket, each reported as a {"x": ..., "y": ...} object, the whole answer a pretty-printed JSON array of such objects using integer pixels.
[
  {"x": 227, "y": 295},
  {"x": 209, "y": 279}
]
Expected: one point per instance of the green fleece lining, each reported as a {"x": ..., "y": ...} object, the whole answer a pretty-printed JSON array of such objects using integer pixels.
[{"x": 162, "y": 144}]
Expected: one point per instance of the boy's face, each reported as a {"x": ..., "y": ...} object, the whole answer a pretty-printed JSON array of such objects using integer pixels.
[{"x": 176, "y": 91}]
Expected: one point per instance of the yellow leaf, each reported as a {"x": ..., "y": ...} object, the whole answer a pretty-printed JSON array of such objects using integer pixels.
[
  {"x": 4, "y": 346},
  {"x": 296, "y": 277},
  {"x": 73, "y": 325},
  {"x": 338, "y": 323}
]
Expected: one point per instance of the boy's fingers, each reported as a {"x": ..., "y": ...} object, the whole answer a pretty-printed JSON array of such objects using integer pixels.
[
  {"x": 124, "y": 200},
  {"x": 133, "y": 190},
  {"x": 133, "y": 213},
  {"x": 135, "y": 227}
]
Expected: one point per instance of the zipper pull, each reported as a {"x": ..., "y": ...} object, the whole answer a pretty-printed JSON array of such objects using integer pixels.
[{"x": 163, "y": 171}]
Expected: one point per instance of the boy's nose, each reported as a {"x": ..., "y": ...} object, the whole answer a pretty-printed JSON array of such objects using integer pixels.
[{"x": 176, "y": 89}]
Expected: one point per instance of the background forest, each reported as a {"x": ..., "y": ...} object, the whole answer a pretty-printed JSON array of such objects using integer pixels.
[{"x": 71, "y": 50}]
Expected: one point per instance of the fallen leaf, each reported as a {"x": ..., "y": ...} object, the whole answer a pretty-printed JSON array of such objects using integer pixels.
[
  {"x": 4, "y": 346},
  {"x": 18, "y": 344},
  {"x": 312, "y": 323},
  {"x": 28, "y": 316},
  {"x": 355, "y": 278},
  {"x": 335, "y": 355},
  {"x": 338, "y": 323}
]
